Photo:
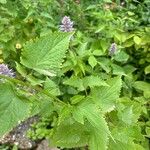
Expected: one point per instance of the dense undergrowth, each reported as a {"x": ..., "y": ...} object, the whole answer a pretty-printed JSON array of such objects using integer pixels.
[{"x": 88, "y": 80}]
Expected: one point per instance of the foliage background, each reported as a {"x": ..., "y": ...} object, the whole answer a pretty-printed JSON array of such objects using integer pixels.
[{"x": 87, "y": 69}]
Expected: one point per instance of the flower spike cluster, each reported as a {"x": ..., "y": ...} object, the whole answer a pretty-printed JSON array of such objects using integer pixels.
[
  {"x": 67, "y": 24},
  {"x": 4, "y": 70},
  {"x": 113, "y": 49}
]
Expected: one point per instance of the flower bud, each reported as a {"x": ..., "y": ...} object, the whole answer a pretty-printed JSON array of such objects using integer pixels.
[
  {"x": 113, "y": 49},
  {"x": 67, "y": 24}
]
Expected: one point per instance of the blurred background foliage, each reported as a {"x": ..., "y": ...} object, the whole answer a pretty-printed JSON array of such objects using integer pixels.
[{"x": 98, "y": 23}]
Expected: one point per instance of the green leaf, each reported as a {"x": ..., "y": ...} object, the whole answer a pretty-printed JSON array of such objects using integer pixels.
[
  {"x": 121, "y": 56},
  {"x": 92, "y": 61},
  {"x": 21, "y": 69},
  {"x": 98, "y": 52},
  {"x": 95, "y": 123},
  {"x": 46, "y": 54},
  {"x": 106, "y": 97},
  {"x": 93, "y": 81},
  {"x": 13, "y": 108},
  {"x": 126, "y": 115},
  {"x": 3, "y": 1},
  {"x": 76, "y": 99},
  {"x": 105, "y": 64},
  {"x": 143, "y": 86},
  {"x": 34, "y": 81},
  {"x": 117, "y": 145},
  {"x": 75, "y": 82},
  {"x": 137, "y": 40},
  {"x": 117, "y": 70},
  {"x": 129, "y": 111},
  {"x": 70, "y": 134},
  {"x": 51, "y": 87},
  {"x": 148, "y": 131},
  {"x": 147, "y": 69},
  {"x": 121, "y": 36}
]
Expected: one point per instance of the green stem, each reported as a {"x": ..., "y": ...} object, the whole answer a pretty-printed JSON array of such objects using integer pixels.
[{"x": 39, "y": 89}]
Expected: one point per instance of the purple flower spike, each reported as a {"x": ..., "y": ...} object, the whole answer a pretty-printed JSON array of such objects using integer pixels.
[
  {"x": 4, "y": 70},
  {"x": 67, "y": 24},
  {"x": 113, "y": 49}
]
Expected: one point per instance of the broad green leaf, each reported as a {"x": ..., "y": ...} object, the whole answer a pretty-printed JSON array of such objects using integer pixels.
[
  {"x": 46, "y": 54},
  {"x": 129, "y": 69},
  {"x": 128, "y": 43},
  {"x": 137, "y": 40},
  {"x": 92, "y": 61},
  {"x": 130, "y": 13},
  {"x": 21, "y": 69},
  {"x": 121, "y": 36},
  {"x": 117, "y": 70},
  {"x": 64, "y": 112},
  {"x": 75, "y": 82},
  {"x": 121, "y": 56},
  {"x": 70, "y": 134},
  {"x": 104, "y": 45},
  {"x": 51, "y": 87},
  {"x": 118, "y": 145},
  {"x": 34, "y": 81},
  {"x": 76, "y": 99},
  {"x": 106, "y": 97},
  {"x": 98, "y": 52},
  {"x": 105, "y": 64},
  {"x": 126, "y": 115},
  {"x": 3, "y": 1},
  {"x": 95, "y": 123},
  {"x": 93, "y": 81},
  {"x": 147, "y": 69},
  {"x": 82, "y": 49},
  {"x": 143, "y": 86},
  {"x": 124, "y": 137},
  {"x": 13, "y": 108},
  {"x": 129, "y": 111},
  {"x": 30, "y": 78}
]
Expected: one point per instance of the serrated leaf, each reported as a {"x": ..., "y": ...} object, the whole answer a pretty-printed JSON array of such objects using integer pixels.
[
  {"x": 117, "y": 145},
  {"x": 129, "y": 111},
  {"x": 70, "y": 134},
  {"x": 126, "y": 115},
  {"x": 93, "y": 81},
  {"x": 12, "y": 108},
  {"x": 106, "y": 97},
  {"x": 46, "y": 54},
  {"x": 117, "y": 70},
  {"x": 121, "y": 56},
  {"x": 95, "y": 123}
]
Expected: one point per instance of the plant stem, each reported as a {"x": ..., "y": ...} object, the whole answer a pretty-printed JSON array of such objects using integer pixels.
[{"x": 37, "y": 88}]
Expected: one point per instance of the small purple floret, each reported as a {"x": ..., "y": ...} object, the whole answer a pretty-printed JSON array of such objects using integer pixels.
[
  {"x": 4, "y": 70},
  {"x": 66, "y": 24},
  {"x": 113, "y": 49}
]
